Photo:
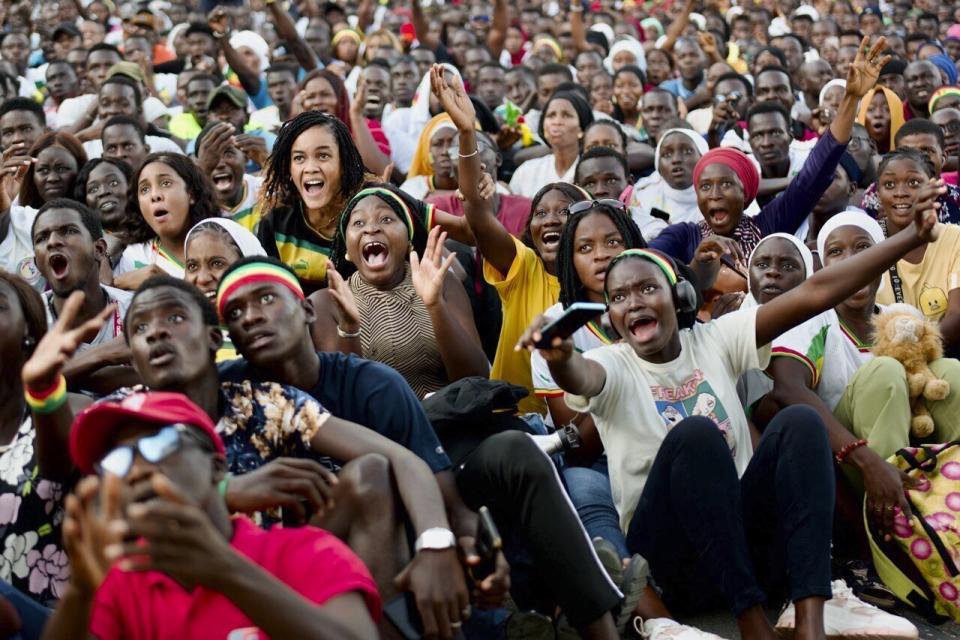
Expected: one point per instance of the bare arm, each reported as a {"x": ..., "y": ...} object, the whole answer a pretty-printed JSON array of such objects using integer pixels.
[
  {"x": 422, "y": 27},
  {"x": 249, "y": 79},
  {"x": 577, "y": 28},
  {"x": 950, "y": 323},
  {"x": 590, "y": 444},
  {"x": 325, "y": 323},
  {"x": 678, "y": 26},
  {"x": 498, "y": 28},
  {"x": 374, "y": 159},
  {"x": 457, "y": 334},
  {"x": 287, "y": 30}
]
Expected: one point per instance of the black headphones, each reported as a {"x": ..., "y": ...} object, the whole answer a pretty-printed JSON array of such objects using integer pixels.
[{"x": 684, "y": 293}]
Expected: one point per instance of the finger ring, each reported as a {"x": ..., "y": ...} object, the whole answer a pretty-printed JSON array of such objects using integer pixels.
[
  {"x": 466, "y": 612},
  {"x": 456, "y": 625},
  {"x": 890, "y": 507}
]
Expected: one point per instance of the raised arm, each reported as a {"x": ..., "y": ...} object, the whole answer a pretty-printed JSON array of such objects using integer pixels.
[
  {"x": 249, "y": 79},
  {"x": 422, "y": 27},
  {"x": 287, "y": 30},
  {"x": 678, "y": 26},
  {"x": 494, "y": 241},
  {"x": 830, "y": 286},
  {"x": 577, "y": 29},
  {"x": 498, "y": 28}
]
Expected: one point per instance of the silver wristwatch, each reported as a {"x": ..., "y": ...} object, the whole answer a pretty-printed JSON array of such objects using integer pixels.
[{"x": 436, "y": 539}]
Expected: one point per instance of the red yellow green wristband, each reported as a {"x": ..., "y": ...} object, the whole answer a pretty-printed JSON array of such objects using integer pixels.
[{"x": 48, "y": 400}]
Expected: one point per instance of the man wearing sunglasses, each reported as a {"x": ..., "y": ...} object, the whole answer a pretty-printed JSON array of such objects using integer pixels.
[{"x": 184, "y": 567}]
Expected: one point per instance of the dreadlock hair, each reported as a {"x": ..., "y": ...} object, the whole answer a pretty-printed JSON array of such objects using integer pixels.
[
  {"x": 574, "y": 193},
  {"x": 199, "y": 188},
  {"x": 33, "y": 309},
  {"x": 278, "y": 189},
  {"x": 908, "y": 153},
  {"x": 418, "y": 212},
  {"x": 571, "y": 286},
  {"x": 207, "y": 311}
]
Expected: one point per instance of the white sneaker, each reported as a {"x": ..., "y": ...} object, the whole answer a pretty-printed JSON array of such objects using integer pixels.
[
  {"x": 846, "y": 616},
  {"x": 667, "y": 629}
]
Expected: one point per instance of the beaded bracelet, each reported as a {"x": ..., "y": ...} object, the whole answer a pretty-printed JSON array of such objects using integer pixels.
[
  {"x": 847, "y": 449},
  {"x": 48, "y": 400}
]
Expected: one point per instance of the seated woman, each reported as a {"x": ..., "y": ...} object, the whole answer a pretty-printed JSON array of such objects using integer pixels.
[
  {"x": 826, "y": 363},
  {"x": 49, "y": 172},
  {"x": 726, "y": 182},
  {"x": 565, "y": 115},
  {"x": 102, "y": 184},
  {"x": 210, "y": 248},
  {"x": 927, "y": 278},
  {"x": 881, "y": 112},
  {"x": 408, "y": 313},
  {"x": 167, "y": 196},
  {"x": 670, "y": 188},
  {"x": 433, "y": 169},
  {"x": 665, "y": 405}
]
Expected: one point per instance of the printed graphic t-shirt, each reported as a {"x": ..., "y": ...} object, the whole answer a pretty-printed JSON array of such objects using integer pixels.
[
  {"x": 641, "y": 401},
  {"x": 927, "y": 285}
]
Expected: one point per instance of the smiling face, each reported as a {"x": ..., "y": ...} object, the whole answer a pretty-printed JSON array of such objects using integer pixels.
[
  {"x": 561, "y": 124},
  {"x": 315, "y": 167},
  {"x": 897, "y": 188},
  {"x": 547, "y": 222},
  {"x": 720, "y": 198},
  {"x": 123, "y": 142},
  {"x": 775, "y": 268},
  {"x": 596, "y": 242},
  {"x": 172, "y": 347},
  {"x": 379, "y": 240},
  {"x": 54, "y": 173},
  {"x": 922, "y": 78},
  {"x": 318, "y": 95},
  {"x": 227, "y": 177},
  {"x": 164, "y": 201},
  {"x": 845, "y": 242},
  {"x": 628, "y": 90},
  {"x": 66, "y": 254},
  {"x": 208, "y": 255},
  {"x": 107, "y": 193},
  {"x": 602, "y": 177},
  {"x": 641, "y": 307},
  {"x": 678, "y": 157}
]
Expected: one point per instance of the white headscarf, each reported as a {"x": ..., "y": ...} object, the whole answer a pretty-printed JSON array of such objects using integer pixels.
[
  {"x": 242, "y": 237},
  {"x": 172, "y": 36},
  {"x": 654, "y": 192},
  {"x": 628, "y": 44},
  {"x": 255, "y": 43},
  {"x": 420, "y": 108},
  {"x": 848, "y": 218},
  {"x": 805, "y": 256},
  {"x": 836, "y": 82}
]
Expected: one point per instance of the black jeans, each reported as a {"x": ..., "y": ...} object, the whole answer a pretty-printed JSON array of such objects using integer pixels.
[
  {"x": 511, "y": 476},
  {"x": 713, "y": 539}
]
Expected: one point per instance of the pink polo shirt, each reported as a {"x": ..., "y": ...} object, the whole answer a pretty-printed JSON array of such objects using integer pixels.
[{"x": 152, "y": 606}]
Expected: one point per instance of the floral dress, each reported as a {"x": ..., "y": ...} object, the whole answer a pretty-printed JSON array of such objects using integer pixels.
[{"x": 31, "y": 514}]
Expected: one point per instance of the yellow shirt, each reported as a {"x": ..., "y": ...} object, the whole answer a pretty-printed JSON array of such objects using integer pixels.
[
  {"x": 525, "y": 292},
  {"x": 926, "y": 285}
]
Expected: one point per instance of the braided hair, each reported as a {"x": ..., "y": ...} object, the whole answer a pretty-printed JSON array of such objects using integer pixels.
[
  {"x": 576, "y": 194},
  {"x": 278, "y": 189},
  {"x": 907, "y": 153},
  {"x": 571, "y": 287}
]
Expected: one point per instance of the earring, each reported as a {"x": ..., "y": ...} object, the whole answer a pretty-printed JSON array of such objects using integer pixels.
[
  {"x": 28, "y": 343},
  {"x": 347, "y": 257}
]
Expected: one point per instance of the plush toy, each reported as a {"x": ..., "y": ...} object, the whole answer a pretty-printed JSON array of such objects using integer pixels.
[{"x": 902, "y": 333}]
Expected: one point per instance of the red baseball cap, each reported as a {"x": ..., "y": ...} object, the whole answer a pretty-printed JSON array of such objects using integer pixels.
[{"x": 94, "y": 425}]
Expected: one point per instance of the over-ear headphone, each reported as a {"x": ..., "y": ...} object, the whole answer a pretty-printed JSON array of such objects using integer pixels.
[{"x": 684, "y": 293}]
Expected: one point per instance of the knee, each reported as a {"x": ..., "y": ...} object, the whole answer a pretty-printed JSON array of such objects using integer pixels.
[
  {"x": 800, "y": 426},
  {"x": 519, "y": 454},
  {"x": 367, "y": 480},
  {"x": 947, "y": 369},
  {"x": 890, "y": 373},
  {"x": 587, "y": 487},
  {"x": 695, "y": 430}
]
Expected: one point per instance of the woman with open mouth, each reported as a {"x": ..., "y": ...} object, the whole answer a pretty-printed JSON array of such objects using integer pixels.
[
  {"x": 398, "y": 305},
  {"x": 927, "y": 278},
  {"x": 167, "y": 196},
  {"x": 665, "y": 404},
  {"x": 882, "y": 114},
  {"x": 102, "y": 184},
  {"x": 211, "y": 246},
  {"x": 726, "y": 181}
]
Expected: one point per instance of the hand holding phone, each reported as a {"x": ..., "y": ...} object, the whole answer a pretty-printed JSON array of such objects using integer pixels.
[{"x": 575, "y": 316}]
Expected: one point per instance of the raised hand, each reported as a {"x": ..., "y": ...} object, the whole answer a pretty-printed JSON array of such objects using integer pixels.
[
  {"x": 61, "y": 342},
  {"x": 254, "y": 147},
  {"x": 345, "y": 307},
  {"x": 428, "y": 275},
  {"x": 214, "y": 145},
  {"x": 925, "y": 219},
  {"x": 13, "y": 166},
  {"x": 87, "y": 529},
  {"x": 453, "y": 98},
  {"x": 560, "y": 351},
  {"x": 219, "y": 21},
  {"x": 865, "y": 69}
]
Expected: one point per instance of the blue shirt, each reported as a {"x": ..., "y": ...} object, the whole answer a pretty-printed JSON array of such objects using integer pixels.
[
  {"x": 370, "y": 394},
  {"x": 676, "y": 87}
]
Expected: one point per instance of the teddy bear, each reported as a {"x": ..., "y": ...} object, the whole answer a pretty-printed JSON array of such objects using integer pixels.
[{"x": 902, "y": 333}]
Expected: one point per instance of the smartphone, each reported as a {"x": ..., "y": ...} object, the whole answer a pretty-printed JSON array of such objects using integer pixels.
[
  {"x": 401, "y": 611},
  {"x": 574, "y": 317},
  {"x": 488, "y": 543}
]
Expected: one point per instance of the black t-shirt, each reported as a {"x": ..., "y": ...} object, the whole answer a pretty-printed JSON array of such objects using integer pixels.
[{"x": 368, "y": 393}]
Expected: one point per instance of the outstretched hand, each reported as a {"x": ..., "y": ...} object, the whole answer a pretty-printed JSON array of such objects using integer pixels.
[
  {"x": 345, "y": 305},
  {"x": 453, "y": 98},
  {"x": 865, "y": 69},
  {"x": 925, "y": 219},
  {"x": 428, "y": 274}
]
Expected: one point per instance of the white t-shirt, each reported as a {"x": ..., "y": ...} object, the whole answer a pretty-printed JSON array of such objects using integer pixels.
[
  {"x": 94, "y": 148},
  {"x": 535, "y": 174},
  {"x": 110, "y": 329},
  {"x": 144, "y": 254},
  {"x": 641, "y": 401},
  {"x": 587, "y": 337},
  {"x": 829, "y": 350},
  {"x": 16, "y": 249}
]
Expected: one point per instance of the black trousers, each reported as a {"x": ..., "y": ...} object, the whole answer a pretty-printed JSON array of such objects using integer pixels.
[
  {"x": 511, "y": 476},
  {"x": 713, "y": 539}
]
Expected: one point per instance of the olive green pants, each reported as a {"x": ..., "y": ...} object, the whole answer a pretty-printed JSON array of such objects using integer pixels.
[{"x": 876, "y": 405}]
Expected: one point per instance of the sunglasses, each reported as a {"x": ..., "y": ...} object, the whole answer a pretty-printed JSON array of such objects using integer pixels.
[
  {"x": 585, "y": 205},
  {"x": 153, "y": 448}
]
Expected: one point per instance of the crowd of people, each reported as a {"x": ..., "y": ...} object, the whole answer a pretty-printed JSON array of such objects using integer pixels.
[{"x": 277, "y": 292}]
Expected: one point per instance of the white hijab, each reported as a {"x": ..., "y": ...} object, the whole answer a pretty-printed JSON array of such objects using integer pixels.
[
  {"x": 255, "y": 43},
  {"x": 848, "y": 218},
  {"x": 836, "y": 82},
  {"x": 242, "y": 237},
  {"x": 653, "y": 192},
  {"x": 627, "y": 44},
  {"x": 805, "y": 256}
]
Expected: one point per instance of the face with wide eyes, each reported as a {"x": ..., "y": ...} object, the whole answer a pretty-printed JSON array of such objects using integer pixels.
[
  {"x": 678, "y": 157},
  {"x": 602, "y": 177},
  {"x": 845, "y": 242},
  {"x": 720, "y": 197},
  {"x": 641, "y": 306},
  {"x": 596, "y": 242},
  {"x": 107, "y": 193},
  {"x": 54, "y": 173},
  {"x": 775, "y": 268},
  {"x": 318, "y": 95},
  {"x": 377, "y": 241},
  {"x": 547, "y": 221},
  {"x": 878, "y": 119},
  {"x": 315, "y": 167},
  {"x": 208, "y": 255},
  {"x": 164, "y": 200},
  {"x": 897, "y": 188}
]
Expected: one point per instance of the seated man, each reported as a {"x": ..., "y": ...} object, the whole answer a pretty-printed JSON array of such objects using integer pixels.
[
  {"x": 219, "y": 156},
  {"x": 124, "y": 138},
  {"x": 926, "y": 137},
  {"x": 279, "y": 444},
  {"x": 161, "y": 464}
]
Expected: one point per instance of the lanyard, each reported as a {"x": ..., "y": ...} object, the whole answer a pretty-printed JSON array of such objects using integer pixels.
[{"x": 895, "y": 281}]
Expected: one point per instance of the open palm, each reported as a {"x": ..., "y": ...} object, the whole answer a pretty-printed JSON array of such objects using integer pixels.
[
  {"x": 428, "y": 274},
  {"x": 866, "y": 67},
  {"x": 453, "y": 98}
]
